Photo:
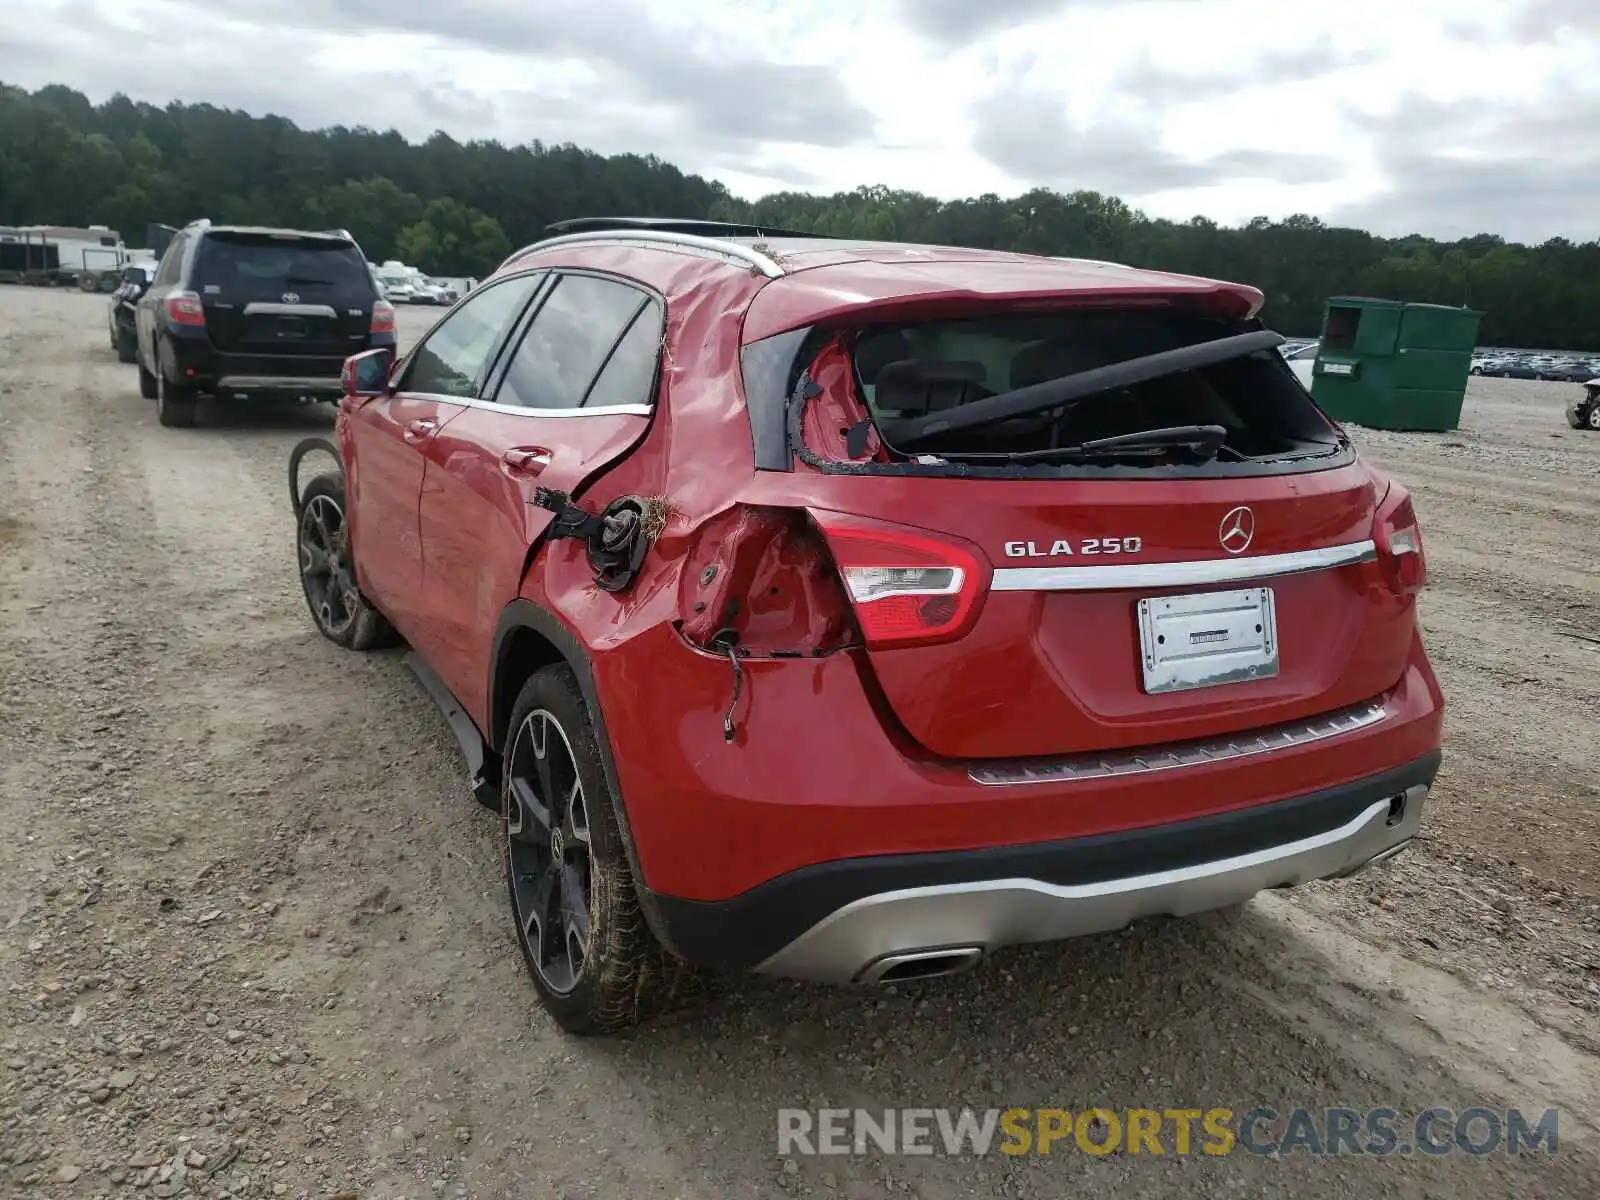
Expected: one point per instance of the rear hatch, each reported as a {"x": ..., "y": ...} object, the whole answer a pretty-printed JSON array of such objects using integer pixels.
[
  {"x": 1110, "y": 595},
  {"x": 284, "y": 294}
]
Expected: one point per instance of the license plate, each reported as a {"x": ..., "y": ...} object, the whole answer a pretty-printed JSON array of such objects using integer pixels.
[
  {"x": 291, "y": 327},
  {"x": 1207, "y": 639}
]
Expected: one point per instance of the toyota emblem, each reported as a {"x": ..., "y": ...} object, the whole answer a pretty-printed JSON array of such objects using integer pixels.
[
  {"x": 291, "y": 297},
  {"x": 1237, "y": 530}
]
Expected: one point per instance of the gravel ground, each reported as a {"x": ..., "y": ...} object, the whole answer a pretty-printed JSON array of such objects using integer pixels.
[{"x": 253, "y": 939}]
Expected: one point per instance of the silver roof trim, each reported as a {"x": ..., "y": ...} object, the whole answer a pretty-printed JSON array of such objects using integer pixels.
[
  {"x": 718, "y": 247},
  {"x": 1180, "y": 574}
]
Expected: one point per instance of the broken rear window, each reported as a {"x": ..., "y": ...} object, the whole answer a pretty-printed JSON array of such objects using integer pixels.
[{"x": 1244, "y": 409}]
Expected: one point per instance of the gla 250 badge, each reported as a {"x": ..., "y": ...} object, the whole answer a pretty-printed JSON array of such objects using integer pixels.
[{"x": 1062, "y": 547}]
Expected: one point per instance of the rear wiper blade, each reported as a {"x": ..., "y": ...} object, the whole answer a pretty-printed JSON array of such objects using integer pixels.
[
  {"x": 308, "y": 279},
  {"x": 1204, "y": 441},
  {"x": 908, "y": 433}
]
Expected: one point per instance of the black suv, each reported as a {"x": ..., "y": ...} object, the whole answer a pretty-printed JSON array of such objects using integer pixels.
[{"x": 263, "y": 312}]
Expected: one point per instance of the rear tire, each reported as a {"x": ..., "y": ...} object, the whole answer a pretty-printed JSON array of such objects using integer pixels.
[
  {"x": 594, "y": 962},
  {"x": 327, "y": 571},
  {"x": 147, "y": 382},
  {"x": 175, "y": 402},
  {"x": 1592, "y": 417}
]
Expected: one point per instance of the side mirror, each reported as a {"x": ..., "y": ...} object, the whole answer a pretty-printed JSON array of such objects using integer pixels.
[{"x": 367, "y": 374}]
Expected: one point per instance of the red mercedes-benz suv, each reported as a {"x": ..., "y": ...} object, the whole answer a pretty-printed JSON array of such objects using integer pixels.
[{"x": 848, "y": 610}]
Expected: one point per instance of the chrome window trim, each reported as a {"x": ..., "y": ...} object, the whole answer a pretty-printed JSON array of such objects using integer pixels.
[
  {"x": 1180, "y": 574},
  {"x": 1081, "y": 768},
  {"x": 609, "y": 410}
]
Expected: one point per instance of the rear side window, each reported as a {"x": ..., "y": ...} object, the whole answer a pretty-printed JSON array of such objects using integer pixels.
[
  {"x": 628, "y": 376},
  {"x": 270, "y": 266},
  {"x": 455, "y": 357},
  {"x": 593, "y": 342},
  {"x": 171, "y": 262}
]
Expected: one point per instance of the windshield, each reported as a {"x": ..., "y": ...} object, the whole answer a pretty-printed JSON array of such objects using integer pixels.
[{"x": 265, "y": 264}]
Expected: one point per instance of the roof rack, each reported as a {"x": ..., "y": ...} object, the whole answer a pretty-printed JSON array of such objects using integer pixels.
[
  {"x": 690, "y": 225},
  {"x": 736, "y": 252}
]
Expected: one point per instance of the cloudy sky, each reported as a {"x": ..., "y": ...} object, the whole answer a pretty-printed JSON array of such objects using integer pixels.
[{"x": 1446, "y": 117}]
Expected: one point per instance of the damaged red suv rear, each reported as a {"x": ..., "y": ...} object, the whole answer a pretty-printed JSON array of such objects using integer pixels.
[{"x": 848, "y": 610}]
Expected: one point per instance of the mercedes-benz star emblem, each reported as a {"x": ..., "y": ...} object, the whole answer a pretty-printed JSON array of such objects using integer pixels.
[
  {"x": 557, "y": 850},
  {"x": 1237, "y": 530},
  {"x": 291, "y": 297}
]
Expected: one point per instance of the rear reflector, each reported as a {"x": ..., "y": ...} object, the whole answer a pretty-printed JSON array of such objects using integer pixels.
[{"x": 909, "y": 587}]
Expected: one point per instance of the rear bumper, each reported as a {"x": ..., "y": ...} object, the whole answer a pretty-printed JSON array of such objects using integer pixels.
[
  {"x": 819, "y": 773},
  {"x": 856, "y": 918},
  {"x": 200, "y": 364},
  {"x": 300, "y": 384}
]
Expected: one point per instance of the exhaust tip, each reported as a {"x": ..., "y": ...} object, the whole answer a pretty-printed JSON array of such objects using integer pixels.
[{"x": 920, "y": 964}]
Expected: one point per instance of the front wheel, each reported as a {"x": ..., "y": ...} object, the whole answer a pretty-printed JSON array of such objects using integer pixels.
[
  {"x": 328, "y": 571},
  {"x": 593, "y": 960},
  {"x": 1592, "y": 419}
]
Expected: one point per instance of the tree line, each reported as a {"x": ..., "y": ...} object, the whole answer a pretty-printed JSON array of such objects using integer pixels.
[{"x": 457, "y": 208}]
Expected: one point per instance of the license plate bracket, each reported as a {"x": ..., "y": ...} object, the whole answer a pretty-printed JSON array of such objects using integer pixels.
[{"x": 1207, "y": 639}]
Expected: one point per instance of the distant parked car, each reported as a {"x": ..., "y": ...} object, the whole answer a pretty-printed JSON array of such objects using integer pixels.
[
  {"x": 1584, "y": 412},
  {"x": 120, "y": 322},
  {"x": 1517, "y": 367},
  {"x": 1574, "y": 370},
  {"x": 264, "y": 312}
]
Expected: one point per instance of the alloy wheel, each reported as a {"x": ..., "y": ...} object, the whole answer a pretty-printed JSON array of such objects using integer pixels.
[
  {"x": 547, "y": 843},
  {"x": 325, "y": 570}
]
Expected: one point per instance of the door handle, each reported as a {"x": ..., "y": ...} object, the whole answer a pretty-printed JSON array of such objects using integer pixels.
[
  {"x": 525, "y": 460},
  {"x": 420, "y": 430}
]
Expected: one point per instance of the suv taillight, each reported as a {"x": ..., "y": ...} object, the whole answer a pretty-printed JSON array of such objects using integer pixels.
[
  {"x": 382, "y": 317},
  {"x": 184, "y": 308},
  {"x": 908, "y": 587},
  {"x": 1399, "y": 541}
]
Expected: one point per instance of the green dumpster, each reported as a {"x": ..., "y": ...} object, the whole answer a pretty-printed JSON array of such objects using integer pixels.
[{"x": 1387, "y": 364}]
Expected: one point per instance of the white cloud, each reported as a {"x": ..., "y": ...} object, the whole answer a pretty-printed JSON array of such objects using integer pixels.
[{"x": 1230, "y": 108}]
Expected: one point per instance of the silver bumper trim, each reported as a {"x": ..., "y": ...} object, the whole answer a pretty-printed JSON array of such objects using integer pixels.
[
  {"x": 274, "y": 309},
  {"x": 1079, "y": 768},
  {"x": 1180, "y": 574},
  {"x": 845, "y": 945},
  {"x": 281, "y": 383}
]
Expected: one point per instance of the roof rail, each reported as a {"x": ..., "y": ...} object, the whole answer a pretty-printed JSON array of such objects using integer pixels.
[
  {"x": 717, "y": 247},
  {"x": 199, "y": 223},
  {"x": 691, "y": 225}
]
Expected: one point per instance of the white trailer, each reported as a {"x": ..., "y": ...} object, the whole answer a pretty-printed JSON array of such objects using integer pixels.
[{"x": 91, "y": 257}]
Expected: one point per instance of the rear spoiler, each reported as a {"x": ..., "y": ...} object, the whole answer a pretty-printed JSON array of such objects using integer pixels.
[{"x": 1055, "y": 392}]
